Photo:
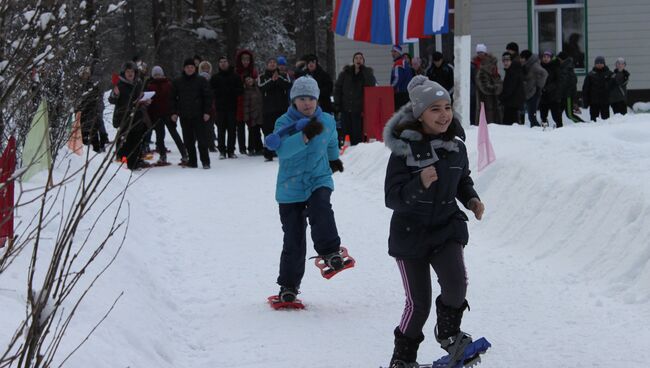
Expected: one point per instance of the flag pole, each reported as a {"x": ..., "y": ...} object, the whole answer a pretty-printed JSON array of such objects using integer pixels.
[{"x": 462, "y": 59}]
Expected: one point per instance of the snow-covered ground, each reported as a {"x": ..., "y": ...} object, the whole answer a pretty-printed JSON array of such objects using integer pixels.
[{"x": 559, "y": 268}]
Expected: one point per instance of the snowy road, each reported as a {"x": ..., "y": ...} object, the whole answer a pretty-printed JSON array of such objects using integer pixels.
[{"x": 558, "y": 269}]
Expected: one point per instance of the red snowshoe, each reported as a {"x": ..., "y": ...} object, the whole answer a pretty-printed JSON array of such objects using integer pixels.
[
  {"x": 333, "y": 263},
  {"x": 276, "y": 303}
]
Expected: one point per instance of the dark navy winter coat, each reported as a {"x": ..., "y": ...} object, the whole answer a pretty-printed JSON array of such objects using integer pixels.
[{"x": 424, "y": 219}]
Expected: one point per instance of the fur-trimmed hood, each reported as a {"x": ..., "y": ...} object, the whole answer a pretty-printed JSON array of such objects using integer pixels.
[{"x": 400, "y": 145}]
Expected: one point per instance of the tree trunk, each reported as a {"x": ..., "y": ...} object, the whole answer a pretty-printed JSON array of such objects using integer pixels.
[
  {"x": 305, "y": 28},
  {"x": 198, "y": 12},
  {"x": 129, "y": 29},
  {"x": 228, "y": 9}
]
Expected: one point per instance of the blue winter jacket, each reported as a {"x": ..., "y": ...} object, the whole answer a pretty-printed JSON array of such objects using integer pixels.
[{"x": 305, "y": 167}]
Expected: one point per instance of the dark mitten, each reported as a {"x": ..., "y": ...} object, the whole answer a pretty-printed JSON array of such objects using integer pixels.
[
  {"x": 336, "y": 165},
  {"x": 312, "y": 129}
]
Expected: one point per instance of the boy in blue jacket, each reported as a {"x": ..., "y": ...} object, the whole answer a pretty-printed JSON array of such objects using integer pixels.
[{"x": 308, "y": 158}]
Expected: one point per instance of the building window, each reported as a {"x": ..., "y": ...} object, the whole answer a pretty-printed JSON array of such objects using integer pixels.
[{"x": 560, "y": 25}]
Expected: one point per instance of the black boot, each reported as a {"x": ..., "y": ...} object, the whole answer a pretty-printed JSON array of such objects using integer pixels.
[
  {"x": 405, "y": 353},
  {"x": 448, "y": 332}
]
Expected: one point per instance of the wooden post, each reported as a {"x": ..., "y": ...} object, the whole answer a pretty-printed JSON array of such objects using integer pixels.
[{"x": 462, "y": 59}]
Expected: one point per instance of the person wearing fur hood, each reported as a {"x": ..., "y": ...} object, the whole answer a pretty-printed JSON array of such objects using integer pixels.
[{"x": 427, "y": 173}]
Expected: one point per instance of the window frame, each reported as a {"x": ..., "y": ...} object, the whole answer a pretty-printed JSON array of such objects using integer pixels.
[{"x": 533, "y": 28}]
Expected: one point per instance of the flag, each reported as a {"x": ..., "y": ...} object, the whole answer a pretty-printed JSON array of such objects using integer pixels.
[
  {"x": 485, "y": 150},
  {"x": 36, "y": 153},
  {"x": 389, "y": 22},
  {"x": 7, "y": 167},
  {"x": 75, "y": 142}
]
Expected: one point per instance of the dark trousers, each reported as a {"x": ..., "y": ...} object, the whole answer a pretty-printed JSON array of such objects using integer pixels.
[
  {"x": 449, "y": 266},
  {"x": 267, "y": 128},
  {"x": 159, "y": 127},
  {"x": 531, "y": 109},
  {"x": 226, "y": 124},
  {"x": 294, "y": 225},
  {"x": 619, "y": 107},
  {"x": 92, "y": 135},
  {"x": 241, "y": 137},
  {"x": 255, "y": 145},
  {"x": 599, "y": 109},
  {"x": 353, "y": 125},
  {"x": 567, "y": 106},
  {"x": 556, "y": 112},
  {"x": 132, "y": 147},
  {"x": 401, "y": 99},
  {"x": 510, "y": 115},
  {"x": 195, "y": 130}
]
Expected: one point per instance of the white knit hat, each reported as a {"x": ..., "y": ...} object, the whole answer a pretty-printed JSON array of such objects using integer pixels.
[{"x": 481, "y": 48}]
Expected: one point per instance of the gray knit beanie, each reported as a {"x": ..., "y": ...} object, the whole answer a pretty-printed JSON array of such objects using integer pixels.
[
  {"x": 304, "y": 86},
  {"x": 157, "y": 71},
  {"x": 424, "y": 92}
]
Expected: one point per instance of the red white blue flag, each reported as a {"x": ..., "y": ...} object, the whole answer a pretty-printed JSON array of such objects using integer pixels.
[{"x": 390, "y": 22}]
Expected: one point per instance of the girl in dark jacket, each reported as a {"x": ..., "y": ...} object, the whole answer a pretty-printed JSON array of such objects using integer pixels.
[
  {"x": 427, "y": 172},
  {"x": 129, "y": 116}
]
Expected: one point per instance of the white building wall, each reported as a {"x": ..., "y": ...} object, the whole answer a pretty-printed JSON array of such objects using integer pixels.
[
  {"x": 621, "y": 28},
  {"x": 496, "y": 23}
]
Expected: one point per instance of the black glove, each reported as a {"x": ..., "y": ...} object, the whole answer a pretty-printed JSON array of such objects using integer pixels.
[
  {"x": 336, "y": 165},
  {"x": 312, "y": 129}
]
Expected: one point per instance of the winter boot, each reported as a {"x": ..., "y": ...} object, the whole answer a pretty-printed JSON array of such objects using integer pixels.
[
  {"x": 334, "y": 261},
  {"x": 448, "y": 333},
  {"x": 287, "y": 294},
  {"x": 405, "y": 353}
]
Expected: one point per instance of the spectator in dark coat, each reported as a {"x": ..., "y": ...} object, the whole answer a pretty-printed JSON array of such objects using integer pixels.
[
  {"x": 91, "y": 108},
  {"x": 244, "y": 66},
  {"x": 253, "y": 115},
  {"x": 513, "y": 49},
  {"x": 551, "y": 94},
  {"x": 160, "y": 112},
  {"x": 400, "y": 76},
  {"x": 618, "y": 93},
  {"x": 191, "y": 101},
  {"x": 226, "y": 86},
  {"x": 512, "y": 95},
  {"x": 442, "y": 73},
  {"x": 534, "y": 81},
  {"x": 348, "y": 96},
  {"x": 474, "y": 104},
  {"x": 489, "y": 87},
  {"x": 129, "y": 117},
  {"x": 595, "y": 89},
  {"x": 312, "y": 68},
  {"x": 567, "y": 83},
  {"x": 275, "y": 87}
]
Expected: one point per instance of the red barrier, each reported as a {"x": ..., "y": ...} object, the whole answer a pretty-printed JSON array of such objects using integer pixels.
[{"x": 378, "y": 107}]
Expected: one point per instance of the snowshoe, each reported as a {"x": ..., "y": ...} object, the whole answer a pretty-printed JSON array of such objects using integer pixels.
[
  {"x": 333, "y": 263},
  {"x": 286, "y": 299},
  {"x": 160, "y": 163},
  {"x": 466, "y": 354}
]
